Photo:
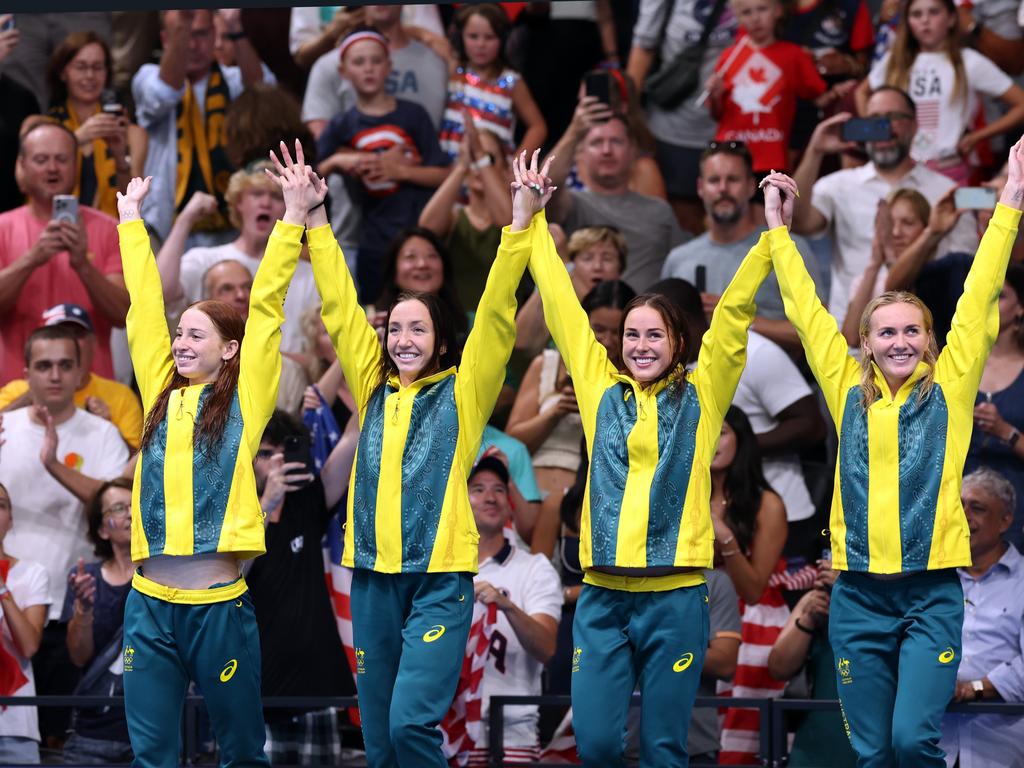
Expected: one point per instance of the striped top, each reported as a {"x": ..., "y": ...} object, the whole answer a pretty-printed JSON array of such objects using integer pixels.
[
  {"x": 490, "y": 103},
  {"x": 408, "y": 506},
  {"x": 187, "y": 501},
  {"x": 647, "y": 501},
  {"x": 896, "y": 504}
]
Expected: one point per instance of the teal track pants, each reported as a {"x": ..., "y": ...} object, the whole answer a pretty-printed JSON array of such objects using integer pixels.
[
  {"x": 897, "y": 650},
  {"x": 619, "y": 638},
  {"x": 410, "y": 632},
  {"x": 218, "y": 646}
]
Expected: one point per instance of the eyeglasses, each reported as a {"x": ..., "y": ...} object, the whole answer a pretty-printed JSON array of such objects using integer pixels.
[
  {"x": 120, "y": 509},
  {"x": 734, "y": 148}
]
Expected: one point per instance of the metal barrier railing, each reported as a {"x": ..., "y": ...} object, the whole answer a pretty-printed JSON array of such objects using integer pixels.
[{"x": 773, "y": 740}]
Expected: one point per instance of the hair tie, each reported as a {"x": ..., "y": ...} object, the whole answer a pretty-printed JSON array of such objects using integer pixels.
[{"x": 359, "y": 35}]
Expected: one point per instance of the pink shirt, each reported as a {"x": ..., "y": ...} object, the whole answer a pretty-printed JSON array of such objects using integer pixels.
[{"x": 53, "y": 283}]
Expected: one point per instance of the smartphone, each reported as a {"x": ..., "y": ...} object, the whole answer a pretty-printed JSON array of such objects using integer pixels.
[
  {"x": 596, "y": 83},
  {"x": 975, "y": 198},
  {"x": 65, "y": 208},
  {"x": 700, "y": 278},
  {"x": 297, "y": 449},
  {"x": 111, "y": 106},
  {"x": 863, "y": 129}
]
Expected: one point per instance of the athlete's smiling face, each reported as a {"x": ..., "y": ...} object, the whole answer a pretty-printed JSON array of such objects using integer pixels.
[
  {"x": 410, "y": 339},
  {"x": 199, "y": 350},
  {"x": 647, "y": 346},
  {"x": 897, "y": 339}
]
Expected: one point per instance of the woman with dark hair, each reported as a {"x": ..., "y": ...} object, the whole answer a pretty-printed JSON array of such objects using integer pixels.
[
  {"x": 418, "y": 262},
  {"x": 410, "y": 536},
  {"x": 645, "y": 533},
  {"x": 111, "y": 149},
  {"x": 545, "y": 417},
  {"x": 94, "y": 612},
  {"x": 999, "y": 408},
  {"x": 903, "y": 414},
  {"x": 750, "y": 526},
  {"x": 207, "y": 394}
]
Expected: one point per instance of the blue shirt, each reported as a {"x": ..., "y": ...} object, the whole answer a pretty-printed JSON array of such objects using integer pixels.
[
  {"x": 993, "y": 641},
  {"x": 520, "y": 468}
]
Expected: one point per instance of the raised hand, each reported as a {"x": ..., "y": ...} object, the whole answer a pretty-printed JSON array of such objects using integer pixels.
[
  {"x": 1013, "y": 192},
  {"x": 779, "y": 193},
  {"x": 129, "y": 202},
  {"x": 531, "y": 189},
  {"x": 83, "y": 587},
  {"x": 48, "y": 448},
  {"x": 199, "y": 205},
  {"x": 303, "y": 190}
]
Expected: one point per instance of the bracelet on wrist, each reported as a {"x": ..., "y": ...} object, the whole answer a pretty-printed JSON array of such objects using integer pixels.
[
  {"x": 727, "y": 542},
  {"x": 731, "y": 552},
  {"x": 802, "y": 628},
  {"x": 321, "y": 204}
]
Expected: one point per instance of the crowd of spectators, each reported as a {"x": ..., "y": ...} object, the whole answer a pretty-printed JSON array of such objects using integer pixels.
[{"x": 662, "y": 116}]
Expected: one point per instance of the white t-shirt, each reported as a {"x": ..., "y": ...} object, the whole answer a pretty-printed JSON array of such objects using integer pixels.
[
  {"x": 942, "y": 118},
  {"x": 770, "y": 383},
  {"x": 302, "y": 294},
  {"x": 531, "y": 583},
  {"x": 49, "y": 522},
  {"x": 29, "y": 585},
  {"x": 848, "y": 199}
]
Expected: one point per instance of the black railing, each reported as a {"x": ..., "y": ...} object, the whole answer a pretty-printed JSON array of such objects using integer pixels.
[{"x": 773, "y": 740}]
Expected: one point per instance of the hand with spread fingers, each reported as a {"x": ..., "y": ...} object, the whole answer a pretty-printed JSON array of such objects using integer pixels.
[
  {"x": 303, "y": 190},
  {"x": 531, "y": 189}
]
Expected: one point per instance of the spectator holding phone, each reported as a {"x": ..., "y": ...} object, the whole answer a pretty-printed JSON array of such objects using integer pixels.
[
  {"x": 838, "y": 204},
  {"x": 946, "y": 82},
  {"x": 110, "y": 148},
  {"x": 44, "y": 262}
]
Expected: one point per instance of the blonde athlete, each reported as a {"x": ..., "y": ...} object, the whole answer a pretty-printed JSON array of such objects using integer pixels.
[
  {"x": 207, "y": 394},
  {"x": 904, "y": 417}
]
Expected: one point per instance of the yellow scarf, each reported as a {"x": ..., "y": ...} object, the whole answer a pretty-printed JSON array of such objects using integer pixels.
[
  {"x": 201, "y": 139},
  {"x": 103, "y": 163}
]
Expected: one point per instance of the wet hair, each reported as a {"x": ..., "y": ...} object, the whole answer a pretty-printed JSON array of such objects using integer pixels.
[
  {"x": 686, "y": 298},
  {"x": 94, "y": 517},
  {"x": 58, "y": 332},
  {"x": 745, "y": 482},
  {"x": 447, "y": 294},
  {"x": 446, "y": 348},
  {"x": 62, "y": 55},
  {"x": 209, "y": 428},
  {"x": 869, "y": 389},
  {"x": 678, "y": 331}
]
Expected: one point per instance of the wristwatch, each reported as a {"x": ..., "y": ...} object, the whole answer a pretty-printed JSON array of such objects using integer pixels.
[
  {"x": 979, "y": 689},
  {"x": 1013, "y": 438}
]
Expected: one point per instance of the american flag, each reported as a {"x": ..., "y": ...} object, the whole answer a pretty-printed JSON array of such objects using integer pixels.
[{"x": 462, "y": 727}]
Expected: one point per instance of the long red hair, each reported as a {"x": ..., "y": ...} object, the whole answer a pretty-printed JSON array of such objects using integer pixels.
[{"x": 209, "y": 429}]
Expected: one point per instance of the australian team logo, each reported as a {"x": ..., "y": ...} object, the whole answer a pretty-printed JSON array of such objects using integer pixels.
[
  {"x": 360, "y": 661},
  {"x": 843, "y": 665},
  {"x": 577, "y": 654},
  {"x": 129, "y": 658}
]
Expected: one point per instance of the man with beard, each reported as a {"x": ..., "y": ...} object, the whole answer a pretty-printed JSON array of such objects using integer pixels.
[
  {"x": 725, "y": 185},
  {"x": 844, "y": 203}
]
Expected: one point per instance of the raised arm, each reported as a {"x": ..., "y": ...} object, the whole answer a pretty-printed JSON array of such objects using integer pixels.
[
  {"x": 975, "y": 323},
  {"x": 489, "y": 345},
  {"x": 148, "y": 338},
  {"x": 260, "y": 362},
  {"x": 723, "y": 350},
  {"x": 355, "y": 341}
]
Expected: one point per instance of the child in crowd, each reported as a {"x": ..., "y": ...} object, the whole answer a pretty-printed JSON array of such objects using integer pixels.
[
  {"x": 387, "y": 150},
  {"x": 756, "y": 83},
  {"x": 482, "y": 85},
  {"x": 944, "y": 79}
]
